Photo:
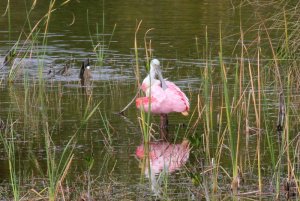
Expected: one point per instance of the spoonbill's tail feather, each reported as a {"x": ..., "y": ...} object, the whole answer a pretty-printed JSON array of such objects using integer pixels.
[{"x": 185, "y": 113}]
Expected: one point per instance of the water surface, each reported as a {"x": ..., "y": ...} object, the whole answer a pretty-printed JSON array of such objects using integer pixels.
[{"x": 177, "y": 39}]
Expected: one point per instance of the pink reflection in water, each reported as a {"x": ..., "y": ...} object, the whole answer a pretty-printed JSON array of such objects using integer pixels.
[{"x": 165, "y": 156}]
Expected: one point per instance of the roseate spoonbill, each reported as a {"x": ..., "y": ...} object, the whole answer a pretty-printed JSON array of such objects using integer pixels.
[
  {"x": 165, "y": 97},
  {"x": 85, "y": 73}
]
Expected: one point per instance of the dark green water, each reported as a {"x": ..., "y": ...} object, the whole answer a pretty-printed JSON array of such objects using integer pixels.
[{"x": 176, "y": 25}]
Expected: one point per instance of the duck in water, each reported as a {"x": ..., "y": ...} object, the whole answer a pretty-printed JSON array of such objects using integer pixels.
[
  {"x": 85, "y": 73},
  {"x": 9, "y": 57},
  {"x": 66, "y": 69}
]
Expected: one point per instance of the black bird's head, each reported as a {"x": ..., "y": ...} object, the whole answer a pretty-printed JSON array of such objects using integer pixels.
[{"x": 84, "y": 66}]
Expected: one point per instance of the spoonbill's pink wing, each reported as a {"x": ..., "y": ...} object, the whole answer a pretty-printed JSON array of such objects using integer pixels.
[
  {"x": 157, "y": 99},
  {"x": 176, "y": 100},
  {"x": 164, "y": 101}
]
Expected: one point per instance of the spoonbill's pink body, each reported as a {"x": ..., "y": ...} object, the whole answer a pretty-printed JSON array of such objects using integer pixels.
[{"x": 165, "y": 97}]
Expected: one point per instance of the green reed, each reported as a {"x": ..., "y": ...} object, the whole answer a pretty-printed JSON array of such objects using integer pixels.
[
  {"x": 107, "y": 134},
  {"x": 31, "y": 39},
  {"x": 232, "y": 136},
  {"x": 164, "y": 177},
  {"x": 56, "y": 171},
  {"x": 258, "y": 120},
  {"x": 145, "y": 117},
  {"x": 136, "y": 54},
  {"x": 207, "y": 94},
  {"x": 99, "y": 43},
  {"x": 286, "y": 141},
  {"x": 58, "y": 166},
  {"x": 8, "y": 137},
  {"x": 270, "y": 139},
  {"x": 284, "y": 55}
]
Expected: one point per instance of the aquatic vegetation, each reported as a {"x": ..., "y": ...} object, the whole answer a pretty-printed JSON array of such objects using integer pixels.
[
  {"x": 7, "y": 137},
  {"x": 99, "y": 43},
  {"x": 241, "y": 138}
]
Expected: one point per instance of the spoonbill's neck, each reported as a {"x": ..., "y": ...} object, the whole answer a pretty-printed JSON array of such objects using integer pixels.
[
  {"x": 150, "y": 81},
  {"x": 152, "y": 72}
]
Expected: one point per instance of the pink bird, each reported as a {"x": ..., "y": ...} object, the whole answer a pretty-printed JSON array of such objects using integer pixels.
[
  {"x": 164, "y": 155},
  {"x": 164, "y": 96}
]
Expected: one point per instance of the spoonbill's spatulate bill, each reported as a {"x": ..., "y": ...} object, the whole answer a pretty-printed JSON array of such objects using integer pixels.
[{"x": 165, "y": 97}]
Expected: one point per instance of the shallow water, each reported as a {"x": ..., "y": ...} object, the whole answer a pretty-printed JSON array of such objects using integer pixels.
[{"x": 175, "y": 27}]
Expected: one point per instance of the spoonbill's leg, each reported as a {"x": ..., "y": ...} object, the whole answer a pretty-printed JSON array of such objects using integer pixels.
[{"x": 164, "y": 123}]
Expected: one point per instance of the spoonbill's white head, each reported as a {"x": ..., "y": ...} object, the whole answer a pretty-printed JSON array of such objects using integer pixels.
[
  {"x": 151, "y": 80},
  {"x": 155, "y": 69}
]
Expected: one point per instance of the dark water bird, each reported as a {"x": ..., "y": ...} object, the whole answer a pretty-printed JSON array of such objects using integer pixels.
[
  {"x": 9, "y": 57},
  {"x": 66, "y": 69},
  {"x": 85, "y": 73},
  {"x": 51, "y": 72},
  {"x": 163, "y": 97},
  {"x": 2, "y": 124}
]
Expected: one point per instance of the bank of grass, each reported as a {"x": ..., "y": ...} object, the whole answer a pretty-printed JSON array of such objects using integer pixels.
[
  {"x": 58, "y": 165},
  {"x": 245, "y": 105},
  {"x": 27, "y": 129}
]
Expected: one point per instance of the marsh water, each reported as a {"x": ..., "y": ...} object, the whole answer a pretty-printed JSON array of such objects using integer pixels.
[{"x": 178, "y": 40}]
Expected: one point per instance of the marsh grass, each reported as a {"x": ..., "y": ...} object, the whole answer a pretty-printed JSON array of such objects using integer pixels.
[
  {"x": 247, "y": 101},
  {"x": 56, "y": 172},
  {"x": 57, "y": 166},
  {"x": 137, "y": 70},
  {"x": 27, "y": 42},
  {"x": 106, "y": 131},
  {"x": 99, "y": 42},
  {"x": 218, "y": 128},
  {"x": 8, "y": 137},
  {"x": 229, "y": 125}
]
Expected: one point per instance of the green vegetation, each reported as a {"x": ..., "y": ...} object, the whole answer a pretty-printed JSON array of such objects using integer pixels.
[{"x": 240, "y": 146}]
